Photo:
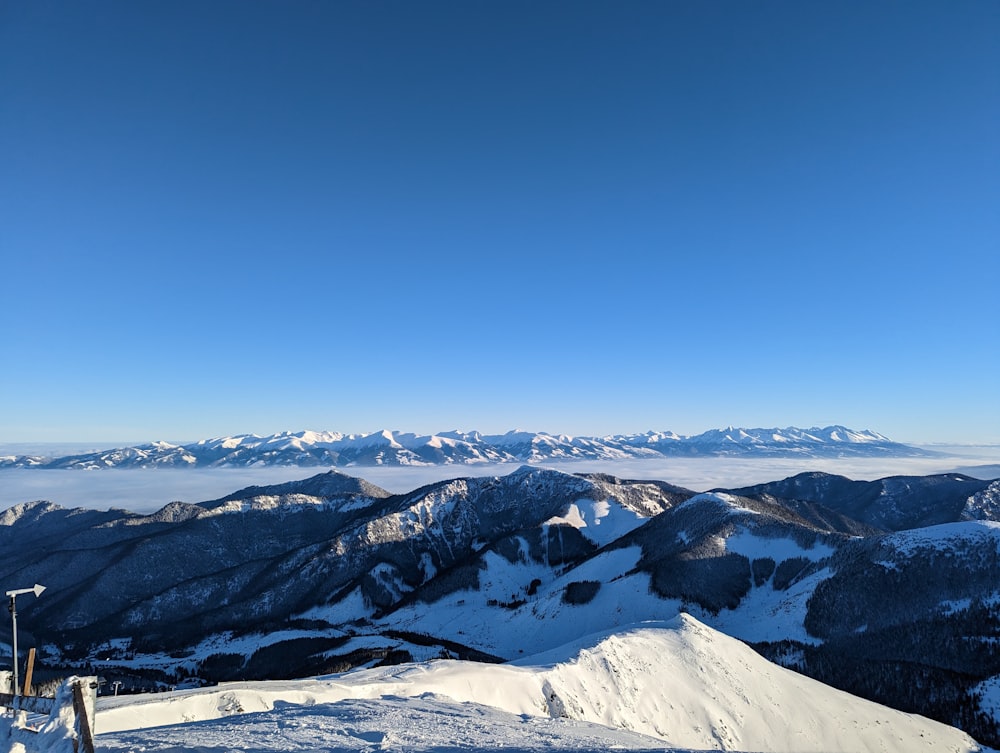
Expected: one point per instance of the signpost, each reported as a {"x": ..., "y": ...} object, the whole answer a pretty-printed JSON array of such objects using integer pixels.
[{"x": 36, "y": 590}]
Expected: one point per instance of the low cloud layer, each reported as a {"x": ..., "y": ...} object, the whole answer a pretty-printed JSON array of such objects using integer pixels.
[{"x": 145, "y": 491}]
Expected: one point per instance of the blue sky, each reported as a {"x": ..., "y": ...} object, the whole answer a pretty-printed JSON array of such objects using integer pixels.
[{"x": 579, "y": 217}]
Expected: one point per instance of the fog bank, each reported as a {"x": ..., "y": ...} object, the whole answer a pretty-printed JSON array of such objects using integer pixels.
[{"x": 147, "y": 490}]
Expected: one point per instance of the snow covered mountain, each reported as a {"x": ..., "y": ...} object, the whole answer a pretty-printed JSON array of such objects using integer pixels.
[
  {"x": 891, "y": 504},
  {"x": 331, "y": 572},
  {"x": 331, "y": 449},
  {"x": 667, "y": 685}
]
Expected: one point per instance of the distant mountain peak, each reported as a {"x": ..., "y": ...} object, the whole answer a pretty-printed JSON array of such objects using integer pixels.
[{"x": 388, "y": 447}]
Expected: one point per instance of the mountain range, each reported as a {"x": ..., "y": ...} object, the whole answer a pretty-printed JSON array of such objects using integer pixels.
[
  {"x": 886, "y": 589},
  {"x": 332, "y": 449}
]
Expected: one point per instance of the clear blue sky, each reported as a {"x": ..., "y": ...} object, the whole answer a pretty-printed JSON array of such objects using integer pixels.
[{"x": 579, "y": 217}]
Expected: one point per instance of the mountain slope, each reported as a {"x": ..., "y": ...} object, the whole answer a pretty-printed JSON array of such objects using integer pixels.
[
  {"x": 920, "y": 605},
  {"x": 331, "y": 572},
  {"x": 268, "y": 552},
  {"x": 889, "y": 504}
]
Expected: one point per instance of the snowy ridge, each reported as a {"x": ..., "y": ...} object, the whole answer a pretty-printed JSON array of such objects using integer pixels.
[
  {"x": 333, "y": 449},
  {"x": 677, "y": 684},
  {"x": 728, "y": 502},
  {"x": 944, "y": 538}
]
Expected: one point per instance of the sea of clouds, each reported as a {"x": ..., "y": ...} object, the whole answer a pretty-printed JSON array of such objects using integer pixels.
[{"x": 147, "y": 490}]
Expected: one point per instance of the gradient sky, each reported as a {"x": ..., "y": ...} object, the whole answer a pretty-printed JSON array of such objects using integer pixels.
[{"x": 580, "y": 217}]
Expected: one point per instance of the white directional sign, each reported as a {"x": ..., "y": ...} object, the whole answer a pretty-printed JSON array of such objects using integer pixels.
[{"x": 36, "y": 590}]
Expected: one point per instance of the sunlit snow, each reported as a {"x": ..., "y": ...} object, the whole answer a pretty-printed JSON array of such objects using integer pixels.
[{"x": 673, "y": 685}]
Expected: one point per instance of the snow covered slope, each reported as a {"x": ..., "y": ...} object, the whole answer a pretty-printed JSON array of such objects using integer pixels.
[
  {"x": 266, "y": 553},
  {"x": 675, "y": 685},
  {"x": 399, "y": 725}
]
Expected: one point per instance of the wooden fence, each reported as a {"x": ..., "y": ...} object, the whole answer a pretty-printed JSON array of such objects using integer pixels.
[{"x": 68, "y": 716}]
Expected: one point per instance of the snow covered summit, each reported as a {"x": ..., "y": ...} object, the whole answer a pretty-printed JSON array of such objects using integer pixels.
[{"x": 664, "y": 685}]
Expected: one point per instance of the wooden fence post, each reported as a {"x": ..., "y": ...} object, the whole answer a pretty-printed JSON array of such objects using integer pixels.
[
  {"x": 84, "y": 715},
  {"x": 28, "y": 672},
  {"x": 81, "y": 692}
]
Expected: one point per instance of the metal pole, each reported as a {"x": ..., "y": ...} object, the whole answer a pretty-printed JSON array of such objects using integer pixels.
[
  {"x": 36, "y": 590},
  {"x": 13, "y": 619}
]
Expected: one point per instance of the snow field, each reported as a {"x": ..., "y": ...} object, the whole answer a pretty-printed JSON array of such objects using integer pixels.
[
  {"x": 411, "y": 725},
  {"x": 766, "y": 614},
  {"x": 539, "y": 624},
  {"x": 602, "y": 521}
]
